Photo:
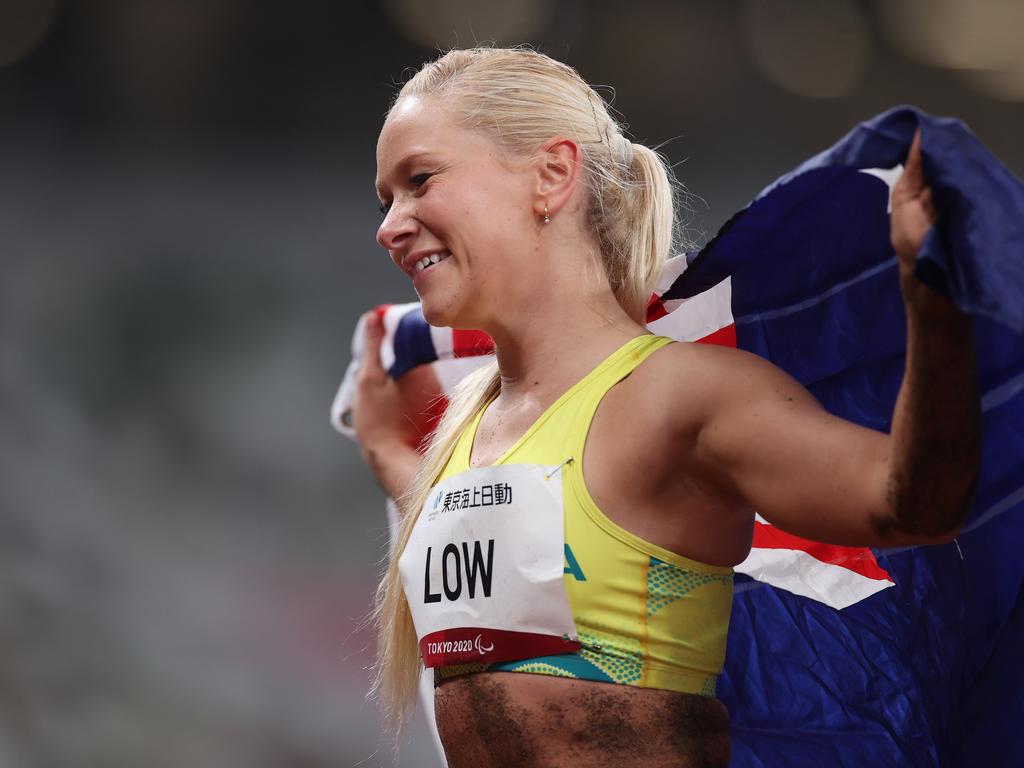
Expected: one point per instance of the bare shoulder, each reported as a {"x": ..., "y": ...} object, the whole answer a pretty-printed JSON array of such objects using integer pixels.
[
  {"x": 685, "y": 383},
  {"x": 688, "y": 405},
  {"x": 676, "y": 364}
]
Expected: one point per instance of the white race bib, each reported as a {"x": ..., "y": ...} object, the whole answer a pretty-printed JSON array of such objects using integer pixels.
[{"x": 482, "y": 570}]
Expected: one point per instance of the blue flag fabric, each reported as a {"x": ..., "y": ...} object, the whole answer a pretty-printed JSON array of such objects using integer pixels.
[{"x": 928, "y": 672}]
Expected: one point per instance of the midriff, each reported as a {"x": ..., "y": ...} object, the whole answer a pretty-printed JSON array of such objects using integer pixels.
[{"x": 500, "y": 719}]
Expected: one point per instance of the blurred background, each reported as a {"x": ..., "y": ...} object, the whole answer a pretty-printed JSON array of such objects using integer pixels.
[{"x": 187, "y": 224}]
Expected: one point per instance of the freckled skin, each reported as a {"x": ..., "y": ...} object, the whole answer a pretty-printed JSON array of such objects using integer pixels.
[{"x": 501, "y": 719}]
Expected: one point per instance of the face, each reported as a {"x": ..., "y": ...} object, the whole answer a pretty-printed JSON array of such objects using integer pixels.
[{"x": 456, "y": 211}]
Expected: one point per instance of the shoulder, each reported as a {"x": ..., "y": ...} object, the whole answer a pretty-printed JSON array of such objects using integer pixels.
[
  {"x": 706, "y": 378},
  {"x": 702, "y": 394}
]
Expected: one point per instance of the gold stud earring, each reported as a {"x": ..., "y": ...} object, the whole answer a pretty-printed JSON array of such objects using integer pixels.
[{"x": 547, "y": 219}]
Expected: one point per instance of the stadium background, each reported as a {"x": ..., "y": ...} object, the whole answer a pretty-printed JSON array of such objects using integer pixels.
[{"x": 186, "y": 240}]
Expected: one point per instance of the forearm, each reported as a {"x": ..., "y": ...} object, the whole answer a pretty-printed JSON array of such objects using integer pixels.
[
  {"x": 393, "y": 465},
  {"x": 936, "y": 424}
]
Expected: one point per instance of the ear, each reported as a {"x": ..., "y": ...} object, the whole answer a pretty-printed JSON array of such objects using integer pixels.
[{"x": 557, "y": 164}]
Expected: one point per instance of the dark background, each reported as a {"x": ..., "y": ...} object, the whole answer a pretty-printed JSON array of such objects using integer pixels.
[{"x": 187, "y": 225}]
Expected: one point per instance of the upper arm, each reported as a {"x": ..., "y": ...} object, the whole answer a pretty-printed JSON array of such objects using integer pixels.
[{"x": 761, "y": 436}]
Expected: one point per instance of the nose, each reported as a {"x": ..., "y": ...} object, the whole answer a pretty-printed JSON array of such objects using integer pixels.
[{"x": 398, "y": 227}]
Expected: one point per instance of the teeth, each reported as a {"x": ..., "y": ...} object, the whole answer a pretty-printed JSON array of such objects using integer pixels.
[{"x": 427, "y": 261}]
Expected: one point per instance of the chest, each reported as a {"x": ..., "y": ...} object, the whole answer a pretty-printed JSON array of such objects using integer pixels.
[{"x": 500, "y": 429}]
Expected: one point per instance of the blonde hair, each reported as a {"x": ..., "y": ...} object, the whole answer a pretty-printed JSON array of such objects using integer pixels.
[{"x": 521, "y": 98}]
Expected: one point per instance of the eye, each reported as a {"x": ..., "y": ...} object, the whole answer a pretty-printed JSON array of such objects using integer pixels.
[
  {"x": 416, "y": 182},
  {"x": 420, "y": 179}
]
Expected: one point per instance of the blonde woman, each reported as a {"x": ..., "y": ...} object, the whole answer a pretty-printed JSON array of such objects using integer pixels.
[{"x": 564, "y": 564}]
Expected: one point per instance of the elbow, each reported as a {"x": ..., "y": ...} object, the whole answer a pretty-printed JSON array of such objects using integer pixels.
[
  {"x": 935, "y": 515},
  {"x": 947, "y": 525},
  {"x": 959, "y": 512}
]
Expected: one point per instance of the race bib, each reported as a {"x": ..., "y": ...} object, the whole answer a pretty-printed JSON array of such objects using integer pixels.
[{"x": 482, "y": 570}]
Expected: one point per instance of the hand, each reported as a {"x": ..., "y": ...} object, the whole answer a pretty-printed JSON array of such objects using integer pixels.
[
  {"x": 389, "y": 413},
  {"x": 912, "y": 211}
]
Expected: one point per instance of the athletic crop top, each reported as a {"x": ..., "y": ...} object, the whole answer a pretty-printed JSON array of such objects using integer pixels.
[{"x": 645, "y": 616}]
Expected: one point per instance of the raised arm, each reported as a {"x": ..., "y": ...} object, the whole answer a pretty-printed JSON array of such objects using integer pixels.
[
  {"x": 766, "y": 439},
  {"x": 936, "y": 430}
]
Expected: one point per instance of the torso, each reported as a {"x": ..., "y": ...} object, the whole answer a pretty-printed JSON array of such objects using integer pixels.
[
  {"x": 505, "y": 719},
  {"x": 534, "y": 720}
]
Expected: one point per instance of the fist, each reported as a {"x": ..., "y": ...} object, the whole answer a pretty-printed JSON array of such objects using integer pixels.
[
  {"x": 389, "y": 412},
  {"x": 912, "y": 212}
]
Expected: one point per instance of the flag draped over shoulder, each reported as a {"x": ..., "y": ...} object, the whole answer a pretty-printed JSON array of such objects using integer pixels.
[{"x": 850, "y": 656}]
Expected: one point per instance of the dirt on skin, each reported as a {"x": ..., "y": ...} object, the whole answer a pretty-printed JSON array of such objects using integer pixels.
[{"x": 508, "y": 719}]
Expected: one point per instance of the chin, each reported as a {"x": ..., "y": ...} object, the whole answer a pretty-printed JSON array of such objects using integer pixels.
[
  {"x": 447, "y": 308},
  {"x": 450, "y": 317},
  {"x": 438, "y": 315}
]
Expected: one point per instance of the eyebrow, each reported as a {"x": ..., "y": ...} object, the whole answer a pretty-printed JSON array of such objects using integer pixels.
[{"x": 405, "y": 162}]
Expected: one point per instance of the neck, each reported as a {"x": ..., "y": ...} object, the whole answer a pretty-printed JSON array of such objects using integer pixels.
[
  {"x": 554, "y": 346},
  {"x": 557, "y": 317}
]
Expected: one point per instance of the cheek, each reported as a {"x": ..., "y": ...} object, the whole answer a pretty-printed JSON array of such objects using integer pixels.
[
  {"x": 480, "y": 221},
  {"x": 486, "y": 201}
]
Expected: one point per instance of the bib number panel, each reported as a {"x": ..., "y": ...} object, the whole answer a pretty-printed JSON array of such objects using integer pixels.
[{"x": 482, "y": 570}]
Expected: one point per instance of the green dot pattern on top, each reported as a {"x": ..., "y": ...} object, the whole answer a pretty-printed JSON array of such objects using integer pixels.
[
  {"x": 620, "y": 658},
  {"x": 666, "y": 583},
  {"x": 710, "y": 687},
  {"x": 541, "y": 668}
]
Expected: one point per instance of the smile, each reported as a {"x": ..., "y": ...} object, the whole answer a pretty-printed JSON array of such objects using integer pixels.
[{"x": 428, "y": 261}]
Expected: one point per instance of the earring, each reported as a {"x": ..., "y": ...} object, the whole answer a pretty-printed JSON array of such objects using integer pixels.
[{"x": 547, "y": 219}]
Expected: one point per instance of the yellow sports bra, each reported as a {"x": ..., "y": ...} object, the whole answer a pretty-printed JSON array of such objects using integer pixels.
[{"x": 645, "y": 616}]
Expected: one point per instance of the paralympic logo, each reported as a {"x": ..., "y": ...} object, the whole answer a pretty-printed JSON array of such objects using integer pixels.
[{"x": 480, "y": 647}]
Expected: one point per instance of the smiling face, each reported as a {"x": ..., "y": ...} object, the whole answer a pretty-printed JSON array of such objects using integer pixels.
[{"x": 458, "y": 212}]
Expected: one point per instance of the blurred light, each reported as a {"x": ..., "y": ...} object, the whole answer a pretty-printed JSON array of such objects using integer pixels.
[
  {"x": 688, "y": 47},
  {"x": 1003, "y": 84},
  {"x": 958, "y": 34},
  {"x": 981, "y": 38},
  {"x": 809, "y": 47},
  {"x": 444, "y": 24},
  {"x": 23, "y": 25}
]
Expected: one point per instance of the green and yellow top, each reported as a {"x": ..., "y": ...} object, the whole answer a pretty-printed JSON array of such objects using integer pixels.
[{"x": 645, "y": 616}]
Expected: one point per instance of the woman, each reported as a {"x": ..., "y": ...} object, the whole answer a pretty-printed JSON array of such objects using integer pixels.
[{"x": 515, "y": 204}]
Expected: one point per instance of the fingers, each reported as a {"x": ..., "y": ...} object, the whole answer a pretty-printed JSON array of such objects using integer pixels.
[
  {"x": 374, "y": 332},
  {"x": 926, "y": 205},
  {"x": 915, "y": 147},
  {"x": 913, "y": 171},
  {"x": 913, "y": 213}
]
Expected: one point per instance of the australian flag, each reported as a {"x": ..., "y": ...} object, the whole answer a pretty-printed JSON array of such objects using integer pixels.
[
  {"x": 911, "y": 656},
  {"x": 844, "y": 656}
]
